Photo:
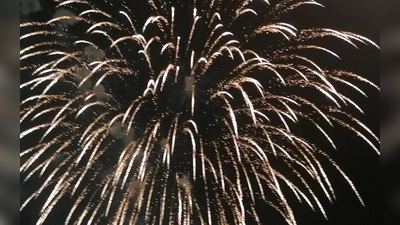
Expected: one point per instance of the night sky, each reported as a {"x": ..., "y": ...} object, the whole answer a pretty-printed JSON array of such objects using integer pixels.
[{"x": 355, "y": 157}]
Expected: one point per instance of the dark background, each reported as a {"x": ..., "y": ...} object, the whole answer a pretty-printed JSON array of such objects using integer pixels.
[
  {"x": 355, "y": 157},
  {"x": 390, "y": 120}
]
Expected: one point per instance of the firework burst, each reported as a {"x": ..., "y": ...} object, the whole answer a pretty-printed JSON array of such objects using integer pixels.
[{"x": 165, "y": 112}]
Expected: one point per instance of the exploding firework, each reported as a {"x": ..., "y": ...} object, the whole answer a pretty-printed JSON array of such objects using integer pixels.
[{"x": 175, "y": 113}]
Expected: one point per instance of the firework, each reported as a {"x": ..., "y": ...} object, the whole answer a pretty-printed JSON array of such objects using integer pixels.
[{"x": 165, "y": 113}]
